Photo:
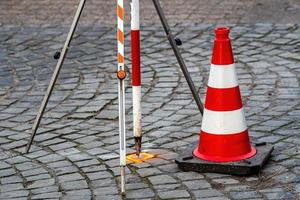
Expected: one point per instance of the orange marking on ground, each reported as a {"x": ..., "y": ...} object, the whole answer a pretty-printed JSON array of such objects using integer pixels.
[{"x": 133, "y": 158}]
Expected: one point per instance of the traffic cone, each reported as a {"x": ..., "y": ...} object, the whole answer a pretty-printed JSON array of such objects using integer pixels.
[
  {"x": 224, "y": 135},
  {"x": 224, "y": 144}
]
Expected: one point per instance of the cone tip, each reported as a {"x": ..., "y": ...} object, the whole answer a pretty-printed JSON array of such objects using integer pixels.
[{"x": 222, "y": 32}]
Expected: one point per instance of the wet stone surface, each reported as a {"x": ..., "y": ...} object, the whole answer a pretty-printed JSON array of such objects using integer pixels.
[{"x": 75, "y": 154}]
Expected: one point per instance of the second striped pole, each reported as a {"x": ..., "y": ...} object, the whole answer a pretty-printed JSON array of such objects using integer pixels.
[{"x": 136, "y": 75}]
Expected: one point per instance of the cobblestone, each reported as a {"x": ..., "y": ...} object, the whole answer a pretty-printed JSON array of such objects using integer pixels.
[
  {"x": 207, "y": 193},
  {"x": 140, "y": 194},
  {"x": 174, "y": 194},
  {"x": 161, "y": 179}
]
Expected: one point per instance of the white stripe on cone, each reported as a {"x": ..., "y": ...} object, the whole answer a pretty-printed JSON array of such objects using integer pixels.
[
  {"x": 137, "y": 113},
  {"x": 222, "y": 76},
  {"x": 224, "y": 123}
]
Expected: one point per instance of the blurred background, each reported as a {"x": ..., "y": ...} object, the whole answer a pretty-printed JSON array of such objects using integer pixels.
[{"x": 177, "y": 11}]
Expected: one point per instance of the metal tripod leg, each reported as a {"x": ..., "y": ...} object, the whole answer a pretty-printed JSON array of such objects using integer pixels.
[
  {"x": 178, "y": 55},
  {"x": 55, "y": 74}
]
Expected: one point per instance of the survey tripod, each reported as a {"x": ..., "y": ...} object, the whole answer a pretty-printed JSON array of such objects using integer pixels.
[{"x": 121, "y": 76}]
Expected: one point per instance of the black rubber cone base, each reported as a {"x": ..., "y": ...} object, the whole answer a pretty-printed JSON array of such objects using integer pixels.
[{"x": 188, "y": 162}]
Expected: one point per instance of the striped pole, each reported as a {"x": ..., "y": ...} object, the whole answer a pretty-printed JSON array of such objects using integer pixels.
[
  {"x": 121, "y": 76},
  {"x": 136, "y": 75},
  {"x": 224, "y": 134}
]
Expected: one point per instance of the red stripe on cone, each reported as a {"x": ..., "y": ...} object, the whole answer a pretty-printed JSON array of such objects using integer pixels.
[
  {"x": 225, "y": 99},
  {"x": 224, "y": 148},
  {"x": 135, "y": 51}
]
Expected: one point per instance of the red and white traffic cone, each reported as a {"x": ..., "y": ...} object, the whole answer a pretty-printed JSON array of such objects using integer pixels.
[
  {"x": 224, "y": 145},
  {"x": 224, "y": 135}
]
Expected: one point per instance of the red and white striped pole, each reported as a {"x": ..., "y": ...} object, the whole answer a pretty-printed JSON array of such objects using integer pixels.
[{"x": 136, "y": 74}]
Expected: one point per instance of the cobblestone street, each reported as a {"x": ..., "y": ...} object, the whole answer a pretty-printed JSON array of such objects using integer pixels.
[{"x": 75, "y": 153}]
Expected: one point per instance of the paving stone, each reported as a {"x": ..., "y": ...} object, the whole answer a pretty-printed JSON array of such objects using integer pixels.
[
  {"x": 13, "y": 145},
  {"x": 79, "y": 192},
  {"x": 103, "y": 183},
  {"x": 226, "y": 181},
  {"x": 105, "y": 191},
  {"x": 148, "y": 172},
  {"x": 287, "y": 178},
  {"x": 47, "y": 195},
  {"x": 45, "y": 190},
  {"x": 161, "y": 179},
  {"x": 197, "y": 184},
  {"x": 136, "y": 185},
  {"x": 280, "y": 195},
  {"x": 216, "y": 198},
  {"x": 173, "y": 194},
  {"x": 26, "y": 166},
  {"x": 41, "y": 183},
  {"x": 93, "y": 144},
  {"x": 79, "y": 157},
  {"x": 14, "y": 194},
  {"x": 99, "y": 175},
  {"x": 245, "y": 195},
  {"x": 66, "y": 170},
  {"x": 208, "y": 193},
  {"x": 11, "y": 179},
  {"x": 38, "y": 177},
  {"x": 87, "y": 163},
  {"x": 70, "y": 177},
  {"x": 70, "y": 197},
  {"x": 62, "y": 146},
  {"x": 50, "y": 158},
  {"x": 140, "y": 193},
  {"x": 58, "y": 164},
  {"x": 108, "y": 156},
  {"x": 297, "y": 188},
  {"x": 235, "y": 187},
  {"x": 185, "y": 176},
  {"x": 11, "y": 187},
  {"x": 7, "y": 172},
  {"x": 167, "y": 187},
  {"x": 74, "y": 185},
  {"x": 113, "y": 197},
  {"x": 36, "y": 154},
  {"x": 95, "y": 168}
]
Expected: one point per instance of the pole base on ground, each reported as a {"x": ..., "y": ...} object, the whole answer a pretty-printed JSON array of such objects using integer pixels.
[
  {"x": 123, "y": 181},
  {"x": 188, "y": 162}
]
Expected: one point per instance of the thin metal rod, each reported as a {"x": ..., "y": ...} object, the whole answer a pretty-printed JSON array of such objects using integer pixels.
[
  {"x": 55, "y": 73},
  {"x": 178, "y": 55}
]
